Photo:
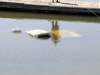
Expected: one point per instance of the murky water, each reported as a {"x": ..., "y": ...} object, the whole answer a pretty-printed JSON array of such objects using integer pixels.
[{"x": 74, "y": 50}]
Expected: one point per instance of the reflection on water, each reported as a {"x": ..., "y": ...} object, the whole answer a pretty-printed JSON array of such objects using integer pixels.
[
  {"x": 21, "y": 55},
  {"x": 16, "y": 32},
  {"x": 43, "y": 37},
  {"x": 25, "y": 15},
  {"x": 69, "y": 34},
  {"x": 55, "y": 32}
]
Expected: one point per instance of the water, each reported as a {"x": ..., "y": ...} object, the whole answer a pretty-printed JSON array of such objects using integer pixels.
[{"x": 73, "y": 51}]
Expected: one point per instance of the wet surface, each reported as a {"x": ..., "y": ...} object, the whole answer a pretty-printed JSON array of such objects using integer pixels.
[{"x": 74, "y": 48}]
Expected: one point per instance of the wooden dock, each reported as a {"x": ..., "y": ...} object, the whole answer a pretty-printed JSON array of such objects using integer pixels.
[{"x": 65, "y": 6}]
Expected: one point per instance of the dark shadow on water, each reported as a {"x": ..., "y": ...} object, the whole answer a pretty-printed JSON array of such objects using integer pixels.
[
  {"x": 48, "y": 16},
  {"x": 54, "y": 35},
  {"x": 45, "y": 37},
  {"x": 17, "y": 32}
]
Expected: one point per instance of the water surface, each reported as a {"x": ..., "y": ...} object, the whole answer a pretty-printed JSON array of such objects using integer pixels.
[{"x": 74, "y": 50}]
